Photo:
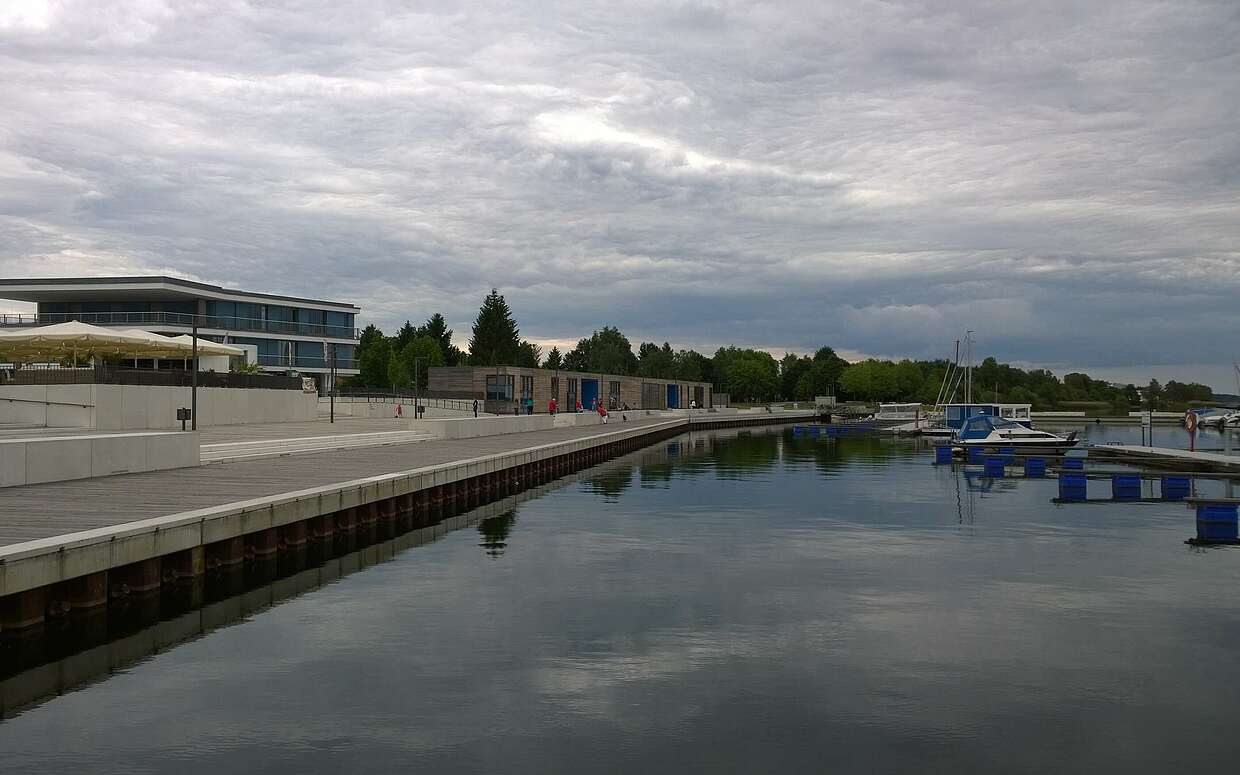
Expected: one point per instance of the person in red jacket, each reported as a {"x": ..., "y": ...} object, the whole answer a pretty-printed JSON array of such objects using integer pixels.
[
  {"x": 551, "y": 407},
  {"x": 602, "y": 412}
]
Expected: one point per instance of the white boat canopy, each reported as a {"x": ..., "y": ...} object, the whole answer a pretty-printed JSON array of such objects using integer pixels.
[{"x": 74, "y": 339}]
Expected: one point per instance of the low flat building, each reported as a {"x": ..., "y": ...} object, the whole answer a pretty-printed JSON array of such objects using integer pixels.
[
  {"x": 286, "y": 333},
  {"x": 500, "y": 388}
]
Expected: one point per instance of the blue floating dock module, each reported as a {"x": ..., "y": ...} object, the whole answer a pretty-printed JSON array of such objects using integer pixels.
[
  {"x": 995, "y": 466},
  {"x": 976, "y": 454},
  {"x": 814, "y": 430},
  {"x": 797, "y": 430},
  {"x": 1125, "y": 487},
  {"x": 1008, "y": 454},
  {"x": 1035, "y": 467},
  {"x": 1074, "y": 464},
  {"x": 1176, "y": 487},
  {"x": 1216, "y": 523},
  {"x": 1072, "y": 487},
  {"x": 942, "y": 454}
]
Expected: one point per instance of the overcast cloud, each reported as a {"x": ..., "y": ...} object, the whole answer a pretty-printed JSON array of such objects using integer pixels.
[{"x": 877, "y": 176}]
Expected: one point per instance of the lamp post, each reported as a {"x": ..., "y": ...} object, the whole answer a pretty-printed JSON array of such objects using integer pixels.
[
  {"x": 416, "y": 360},
  {"x": 193, "y": 380},
  {"x": 331, "y": 350}
]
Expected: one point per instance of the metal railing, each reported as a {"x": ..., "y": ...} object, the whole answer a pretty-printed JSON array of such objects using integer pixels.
[
  {"x": 305, "y": 362},
  {"x": 110, "y": 375},
  {"x": 407, "y": 397},
  {"x": 182, "y": 320}
]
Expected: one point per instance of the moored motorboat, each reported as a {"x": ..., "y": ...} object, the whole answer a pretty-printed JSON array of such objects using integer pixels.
[{"x": 996, "y": 432}]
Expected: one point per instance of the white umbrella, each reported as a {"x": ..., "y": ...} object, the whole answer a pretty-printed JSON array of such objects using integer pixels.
[
  {"x": 207, "y": 347},
  {"x": 65, "y": 340}
]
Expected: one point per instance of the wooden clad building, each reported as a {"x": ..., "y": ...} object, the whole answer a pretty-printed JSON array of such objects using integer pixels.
[{"x": 502, "y": 387}]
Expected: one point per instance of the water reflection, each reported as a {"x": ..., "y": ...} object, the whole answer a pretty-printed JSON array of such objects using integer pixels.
[
  {"x": 495, "y": 532},
  {"x": 723, "y": 602}
]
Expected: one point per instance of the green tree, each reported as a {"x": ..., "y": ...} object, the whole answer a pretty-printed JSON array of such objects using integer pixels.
[
  {"x": 753, "y": 379},
  {"x": 496, "y": 340},
  {"x": 528, "y": 355},
  {"x": 437, "y": 328},
  {"x": 554, "y": 359},
  {"x": 372, "y": 361},
  {"x": 607, "y": 351},
  {"x": 748, "y": 375},
  {"x": 908, "y": 380},
  {"x": 1153, "y": 396},
  {"x": 404, "y": 336},
  {"x": 870, "y": 379},
  {"x": 792, "y": 368},
  {"x": 655, "y": 361},
  {"x": 421, "y": 353},
  {"x": 692, "y": 366}
]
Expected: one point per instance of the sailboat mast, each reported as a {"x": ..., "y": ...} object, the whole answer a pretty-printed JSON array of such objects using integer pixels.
[{"x": 968, "y": 349}]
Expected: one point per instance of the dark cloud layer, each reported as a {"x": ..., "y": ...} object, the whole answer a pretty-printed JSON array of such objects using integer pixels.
[{"x": 1060, "y": 176}]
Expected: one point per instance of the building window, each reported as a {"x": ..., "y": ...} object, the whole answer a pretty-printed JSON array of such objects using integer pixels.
[
  {"x": 555, "y": 388},
  {"x": 613, "y": 394},
  {"x": 570, "y": 401},
  {"x": 499, "y": 387},
  {"x": 527, "y": 388}
]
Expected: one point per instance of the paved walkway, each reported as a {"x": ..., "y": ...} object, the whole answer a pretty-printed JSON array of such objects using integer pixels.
[{"x": 45, "y": 510}]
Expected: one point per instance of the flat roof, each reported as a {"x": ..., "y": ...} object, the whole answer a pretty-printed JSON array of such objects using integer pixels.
[{"x": 159, "y": 286}]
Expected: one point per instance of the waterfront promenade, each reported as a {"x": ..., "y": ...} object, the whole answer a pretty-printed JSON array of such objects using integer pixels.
[
  {"x": 60, "y": 508},
  {"x": 75, "y": 545}
]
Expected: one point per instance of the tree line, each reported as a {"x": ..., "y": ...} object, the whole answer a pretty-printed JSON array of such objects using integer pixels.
[{"x": 748, "y": 375}]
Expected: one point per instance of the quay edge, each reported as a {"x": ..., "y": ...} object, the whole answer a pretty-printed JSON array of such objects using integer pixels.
[{"x": 86, "y": 570}]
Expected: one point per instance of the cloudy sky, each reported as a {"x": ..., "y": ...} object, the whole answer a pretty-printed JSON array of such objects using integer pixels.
[{"x": 1063, "y": 177}]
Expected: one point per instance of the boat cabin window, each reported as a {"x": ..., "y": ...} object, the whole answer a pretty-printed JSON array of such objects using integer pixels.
[{"x": 955, "y": 412}]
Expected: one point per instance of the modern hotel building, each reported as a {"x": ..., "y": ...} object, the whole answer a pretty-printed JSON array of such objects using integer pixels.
[{"x": 286, "y": 333}]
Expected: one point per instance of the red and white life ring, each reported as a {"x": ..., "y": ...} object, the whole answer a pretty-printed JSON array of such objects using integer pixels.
[{"x": 1190, "y": 422}]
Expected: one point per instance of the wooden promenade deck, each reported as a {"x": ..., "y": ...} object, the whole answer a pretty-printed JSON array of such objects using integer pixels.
[{"x": 46, "y": 510}]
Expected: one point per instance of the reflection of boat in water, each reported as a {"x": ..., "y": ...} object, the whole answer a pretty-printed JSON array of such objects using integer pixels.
[{"x": 986, "y": 431}]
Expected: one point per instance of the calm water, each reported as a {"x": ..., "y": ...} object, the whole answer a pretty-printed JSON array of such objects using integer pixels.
[{"x": 752, "y": 602}]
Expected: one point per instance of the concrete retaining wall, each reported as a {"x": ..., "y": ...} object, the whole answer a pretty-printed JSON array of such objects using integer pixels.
[
  {"x": 147, "y": 407},
  {"x": 60, "y": 458},
  {"x": 468, "y": 427}
]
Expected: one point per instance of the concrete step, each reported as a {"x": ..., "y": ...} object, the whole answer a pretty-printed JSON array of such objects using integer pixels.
[{"x": 241, "y": 450}]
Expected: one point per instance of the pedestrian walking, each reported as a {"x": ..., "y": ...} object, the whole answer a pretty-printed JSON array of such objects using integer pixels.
[
  {"x": 551, "y": 407},
  {"x": 475, "y": 409},
  {"x": 602, "y": 412}
]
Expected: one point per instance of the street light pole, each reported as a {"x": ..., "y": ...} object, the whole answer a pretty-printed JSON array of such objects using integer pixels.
[
  {"x": 332, "y": 393},
  {"x": 193, "y": 381},
  {"x": 416, "y": 387}
]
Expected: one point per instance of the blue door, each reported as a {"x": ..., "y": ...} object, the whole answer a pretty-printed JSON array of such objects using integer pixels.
[
  {"x": 673, "y": 396},
  {"x": 589, "y": 392}
]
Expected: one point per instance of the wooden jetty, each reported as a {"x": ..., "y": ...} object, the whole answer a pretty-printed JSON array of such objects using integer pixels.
[
  {"x": 1167, "y": 457},
  {"x": 76, "y": 545}
]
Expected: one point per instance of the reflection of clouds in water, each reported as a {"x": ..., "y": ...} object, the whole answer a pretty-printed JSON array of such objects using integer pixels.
[{"x": 853, "y": 606}]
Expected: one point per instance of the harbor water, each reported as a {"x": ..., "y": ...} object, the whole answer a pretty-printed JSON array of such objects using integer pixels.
[{"x": 732, "y": 601}]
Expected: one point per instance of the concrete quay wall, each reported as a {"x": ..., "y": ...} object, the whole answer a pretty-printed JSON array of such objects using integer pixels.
[{"x": 87, "y": 570}]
